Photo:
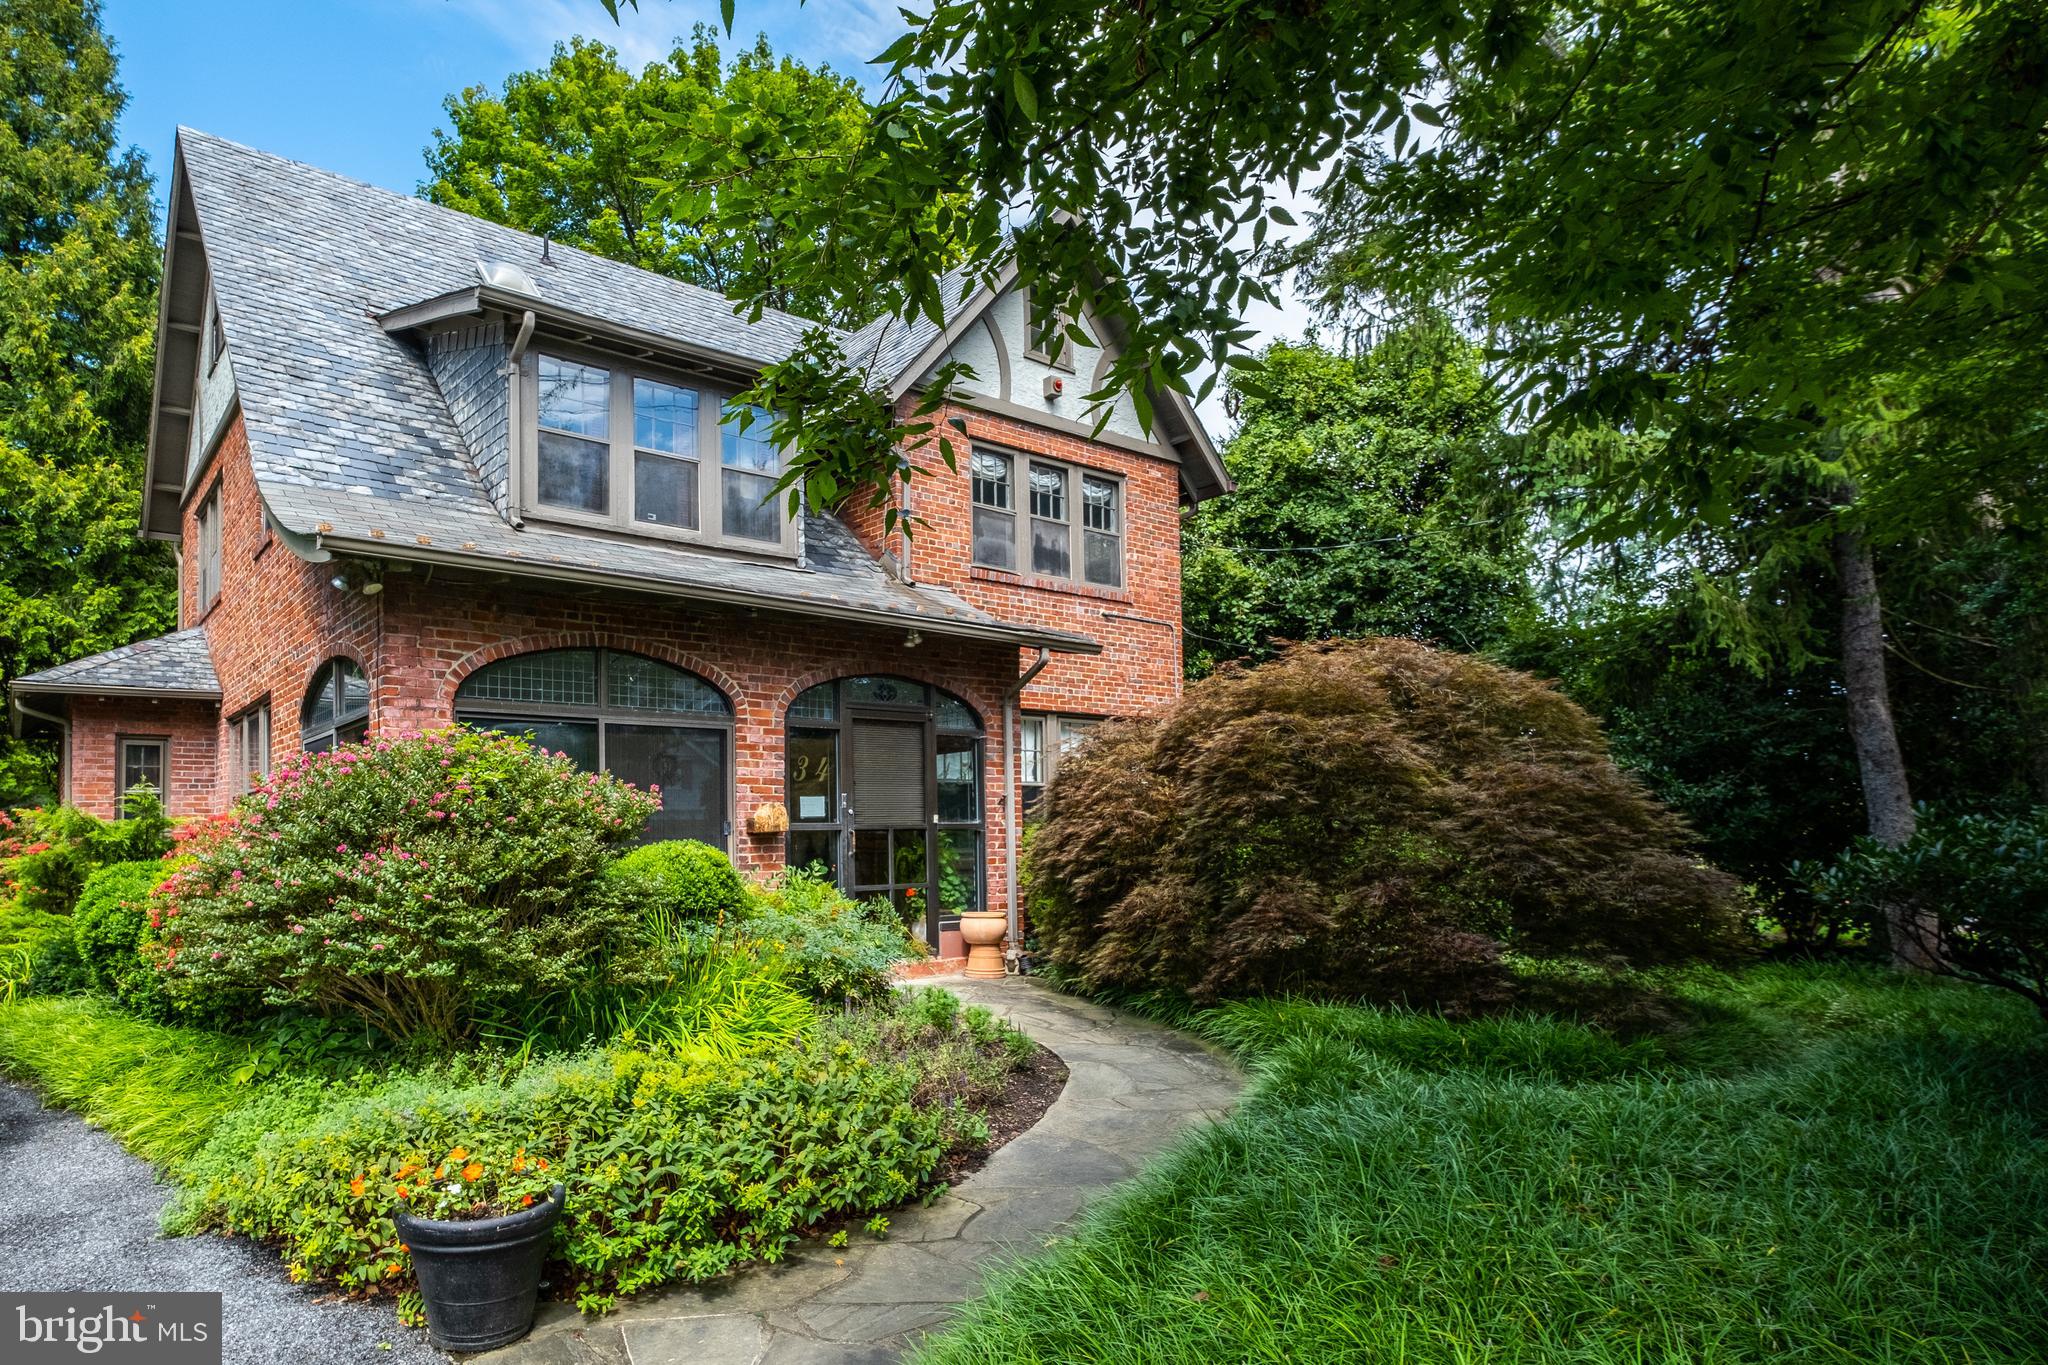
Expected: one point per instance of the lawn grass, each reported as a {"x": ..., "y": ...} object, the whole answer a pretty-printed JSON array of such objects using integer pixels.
[{"x": 1837, "y": 1165}]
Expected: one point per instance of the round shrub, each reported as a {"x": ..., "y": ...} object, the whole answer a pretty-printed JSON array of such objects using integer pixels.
[
  {"x": 684, "y": 880},
  {"x": 108, "y": 928},
  {"x": 1370, "y": 818},
  {"x": 408, "y": 881}
]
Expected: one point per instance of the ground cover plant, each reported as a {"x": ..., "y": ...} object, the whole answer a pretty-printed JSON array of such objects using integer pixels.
[
  {"x": 1363, "y": 818},
  {"x": 1832, "y": 1163}
]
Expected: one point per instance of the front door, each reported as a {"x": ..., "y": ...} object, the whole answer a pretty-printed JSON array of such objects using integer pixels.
[{"x": 889, "y": 817}]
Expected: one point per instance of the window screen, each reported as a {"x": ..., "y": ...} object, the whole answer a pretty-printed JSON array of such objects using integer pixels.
[{"x": 888, "y": 772}]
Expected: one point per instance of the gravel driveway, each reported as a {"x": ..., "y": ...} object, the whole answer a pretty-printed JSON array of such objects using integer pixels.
[{"x": 77, "y": 1213}]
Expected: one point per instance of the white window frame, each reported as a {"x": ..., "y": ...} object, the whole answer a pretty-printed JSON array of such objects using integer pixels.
[
  {"x": 709, "y": 458},
  {"x": 207, "y": 521},
  {"x": 249, "y": 747},
  {"x": 1021, "y": 516},
  {"x": 1054, "y": 741}
]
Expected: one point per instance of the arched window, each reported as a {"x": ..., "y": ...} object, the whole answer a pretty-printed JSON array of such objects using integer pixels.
[
  {"x": 337, "y": 709},
  {"x": 639, "y": 719},
  {"x": 885, "y": 791}
]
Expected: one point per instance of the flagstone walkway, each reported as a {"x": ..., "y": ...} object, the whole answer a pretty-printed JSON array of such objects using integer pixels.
[{"x": 1132, "y": 1086}]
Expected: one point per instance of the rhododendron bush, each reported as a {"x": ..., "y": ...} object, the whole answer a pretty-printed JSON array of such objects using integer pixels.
[{"x": 410, "y": 882}]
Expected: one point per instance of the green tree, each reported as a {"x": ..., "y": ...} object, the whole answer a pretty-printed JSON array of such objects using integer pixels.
[
  {"x": 1363, "y": 507},
  {"x": 79, "y": 258},
  {"x": 574, "y": 151}
]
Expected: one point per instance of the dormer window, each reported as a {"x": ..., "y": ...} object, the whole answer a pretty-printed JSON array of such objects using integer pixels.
[{"x": 613, "y": 445}]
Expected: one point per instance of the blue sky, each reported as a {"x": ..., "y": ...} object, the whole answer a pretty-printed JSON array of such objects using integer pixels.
[{"x": 355, "y": 86}]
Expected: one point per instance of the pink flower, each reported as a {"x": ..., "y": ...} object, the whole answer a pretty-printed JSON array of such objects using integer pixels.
[
  {"x": 341, "y": 848},
  {"x": 376, "y": 947},
  {"x": 216, "y": 957},
  {"x": 298, "y": 928},
  {"x": 236, "y": 875}
]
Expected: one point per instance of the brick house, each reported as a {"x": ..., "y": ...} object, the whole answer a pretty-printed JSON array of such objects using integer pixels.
[{"x": 423, "y": 468}]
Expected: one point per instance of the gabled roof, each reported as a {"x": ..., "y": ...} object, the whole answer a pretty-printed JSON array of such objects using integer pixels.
[
  {"x": 897, "y": 354},
  {"x": 175, "y": 665},
  {"x": 353, "y": 447}
]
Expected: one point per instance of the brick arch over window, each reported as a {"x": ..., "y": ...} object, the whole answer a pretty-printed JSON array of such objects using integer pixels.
[{"x": 452, "y": 681}]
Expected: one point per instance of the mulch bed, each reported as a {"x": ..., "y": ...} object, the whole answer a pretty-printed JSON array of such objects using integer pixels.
[{"x": 1031, "y": 1090}]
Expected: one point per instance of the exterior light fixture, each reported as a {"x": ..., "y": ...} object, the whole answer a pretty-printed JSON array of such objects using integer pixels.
[{"x": 912, "y": 640}]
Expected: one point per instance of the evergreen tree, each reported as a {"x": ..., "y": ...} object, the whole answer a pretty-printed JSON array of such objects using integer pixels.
[{"x": 79, "y": 259}]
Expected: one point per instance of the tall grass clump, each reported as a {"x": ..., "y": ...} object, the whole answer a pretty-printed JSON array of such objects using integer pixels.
[
  {"x": 1868, "y": 1183},
  {"x": 157, "y": 1089}
]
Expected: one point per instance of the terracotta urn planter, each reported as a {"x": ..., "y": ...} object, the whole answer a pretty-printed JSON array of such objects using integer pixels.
[{"x": 984, "y": 930}]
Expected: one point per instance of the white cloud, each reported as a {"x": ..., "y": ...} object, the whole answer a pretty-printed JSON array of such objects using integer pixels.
[{"x": 531, "y": 28}]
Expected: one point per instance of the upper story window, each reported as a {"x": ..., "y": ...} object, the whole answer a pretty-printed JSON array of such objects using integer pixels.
[
  {"x": 249, "y": 748},
  {"x": 1040, "y": 347},
  {"x": 612, "y": 446},
  {"x": 207, "y": 520},
  {"x": 1064, "y": 503},
  {"x": 216, "y": 337}
]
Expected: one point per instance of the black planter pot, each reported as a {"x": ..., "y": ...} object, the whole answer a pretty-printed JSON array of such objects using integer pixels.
[{"x": 480, "y": 1278}]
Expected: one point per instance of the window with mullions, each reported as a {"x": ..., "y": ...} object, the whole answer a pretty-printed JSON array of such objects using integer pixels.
[
  {"x": 611, "y": 446},
  {"x": 145, "y": 766},
  {"x": 337, "y": 709},
  {"x": 1063, "y": 504},
  {"x": 884, "y": 786},
  {"x": 1042, "y": 740},
  {"x": 249, "y": 748},
  {"x": 643, "y": 721}
]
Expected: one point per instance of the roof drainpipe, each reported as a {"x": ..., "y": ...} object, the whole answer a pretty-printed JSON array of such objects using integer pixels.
[
  {"x": 512, "y": 427},
  {"x": 1011, "y": 833},
  {"x": 63, "y": 725}
]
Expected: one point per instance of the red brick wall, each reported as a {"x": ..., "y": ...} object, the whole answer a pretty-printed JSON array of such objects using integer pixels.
[
  {"x": 277, "y": 619},
  {"x": 1137, "y": 626},
  {"x": 97, "y": 725}
]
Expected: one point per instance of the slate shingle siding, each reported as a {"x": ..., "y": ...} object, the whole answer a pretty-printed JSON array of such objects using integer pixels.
[{"x": 468, "y": 365}]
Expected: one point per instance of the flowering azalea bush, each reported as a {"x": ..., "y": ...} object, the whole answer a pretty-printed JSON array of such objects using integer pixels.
[{"x": 406, "y": 881}]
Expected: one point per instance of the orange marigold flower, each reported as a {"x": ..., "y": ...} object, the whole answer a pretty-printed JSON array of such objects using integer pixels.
[
  {"x": 473, "y": 1171},
  {"x": 403, "y": 1192},
  {"x": 543, "y": 1163},
  {"x": 525, "y": 1201},
  {"x": 459, "y": 1154},
  {"x": 518, "y": 1163},
  {"x": 357, "y": 1186}
]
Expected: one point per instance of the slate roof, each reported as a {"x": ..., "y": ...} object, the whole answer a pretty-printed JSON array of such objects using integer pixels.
[
  {"x": 353, "y": 446},
  {"x": 175, "y": 665},
  {"x": 888, "y": 346}
]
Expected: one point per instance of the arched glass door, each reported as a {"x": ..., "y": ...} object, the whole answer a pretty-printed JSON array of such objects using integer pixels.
[
  {"x": 884, "y": 786},
  {"x": 641, "y": 720}
]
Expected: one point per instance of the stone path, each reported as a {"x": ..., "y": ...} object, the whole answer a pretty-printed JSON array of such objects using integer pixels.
[{"x": 1132, "y": 1086}]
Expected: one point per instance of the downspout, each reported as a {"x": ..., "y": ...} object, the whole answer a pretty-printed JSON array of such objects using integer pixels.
[
  {"x": 63, "y": 725},
  {"x": 513, "y": 429},
  {"x": 1015, "y": 949}
]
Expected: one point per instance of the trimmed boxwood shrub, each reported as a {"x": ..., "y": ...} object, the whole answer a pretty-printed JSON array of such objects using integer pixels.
[
  {"x": 108, "y": 928},
  {"x": 683, "y": 880},
  {"x": 1370, "y": 818},
  {"x": 409, "y": 882}
]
